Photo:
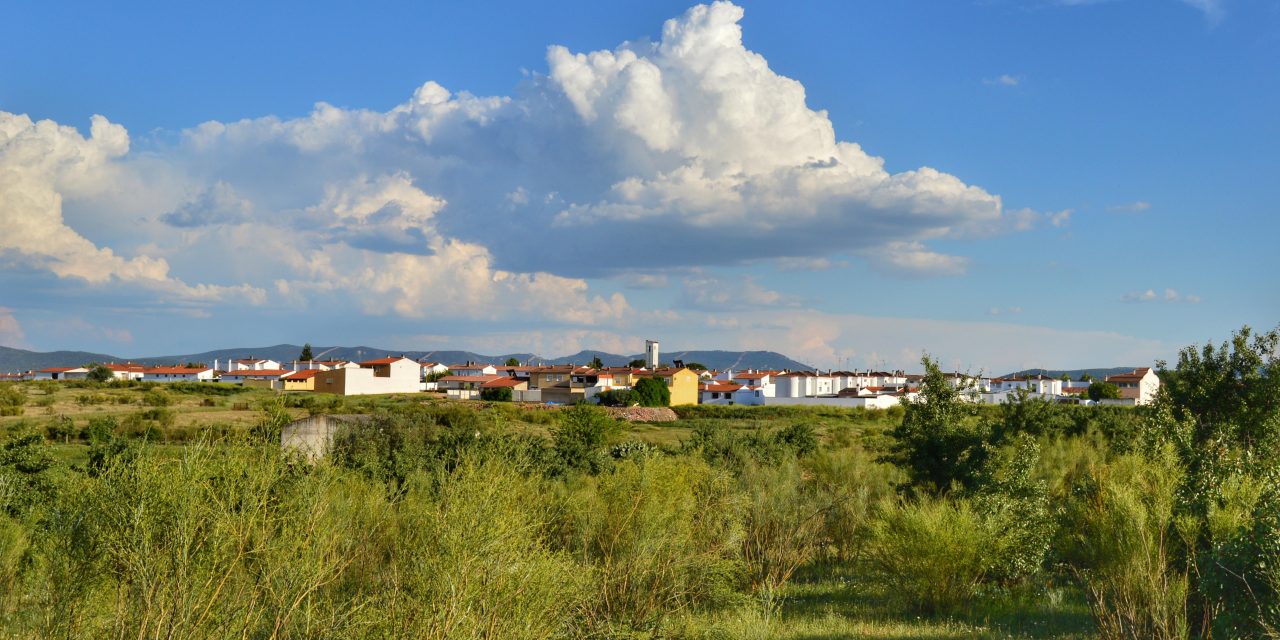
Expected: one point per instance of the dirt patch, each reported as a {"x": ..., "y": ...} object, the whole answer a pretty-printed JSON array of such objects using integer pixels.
[{"x": 643, "y": 414}]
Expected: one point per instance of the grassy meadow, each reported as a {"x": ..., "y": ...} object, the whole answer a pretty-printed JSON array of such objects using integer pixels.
[{"x": 170, "y": 512}]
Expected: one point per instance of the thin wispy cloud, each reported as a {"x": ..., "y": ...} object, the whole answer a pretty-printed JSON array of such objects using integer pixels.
[
  {"x": 1169, "y": 296},
  {"x": 1137, "y": 206},
  {"x": 1003, "y": 80}
]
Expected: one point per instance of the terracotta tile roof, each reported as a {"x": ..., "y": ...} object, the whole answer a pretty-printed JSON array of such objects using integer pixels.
[
  {"x": 387, "y": 360},
  {"x": 468, "y": 378},
  {"x": 502, "y": 382},
  {"x": 726, "y": 387},
  {"x": 259, "y": 373},
  {"x": 305, "y": 374},
  {"x": 172, "y": 370}
]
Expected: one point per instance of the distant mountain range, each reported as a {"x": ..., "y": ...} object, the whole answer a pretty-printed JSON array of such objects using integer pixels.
[
  {"x": 1075, "y": 374},
  {"x": 23, "y": 360}
]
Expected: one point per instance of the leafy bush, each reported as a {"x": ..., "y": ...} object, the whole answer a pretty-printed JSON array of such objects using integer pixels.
[
  {"x": 939, "y": 443},
  {"x": 499, "y": 394},
  {"x": 1122, "y": 543},
  {"x": 615, "y": 398},
  {"x": 783, "y": 526},
  {"x": 582, "y": 436},
  {"x": 930, "y": 555},
  {"x": 156, "y": 398},
  {"x": 12, "y": 397},
  {"x": 661, "y": 535},
  {"x": 651, "y": 392}
]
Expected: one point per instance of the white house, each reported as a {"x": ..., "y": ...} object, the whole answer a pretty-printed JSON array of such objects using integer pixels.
[
  {"x": 1139, "y": 385},
  {"x": 177, "y": 374},
  {"x": 429, "y": 368},
  {"x": 252, "y": 365},
  {"x": 62, "y": 373},
  {"x": 395, "y": 374},
  {"x": 126, "y": 371},
  {"x": 1039, "y": 385},
  {"x": 719, "y": 392},
  {"x": 473, "y": 369},
  {"x": 245, "y": 375}
]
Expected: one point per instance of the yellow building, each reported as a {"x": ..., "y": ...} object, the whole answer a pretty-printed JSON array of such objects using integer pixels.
[
  {"x": 304, "y": 380},
  {"x": 683, "y": 384}
]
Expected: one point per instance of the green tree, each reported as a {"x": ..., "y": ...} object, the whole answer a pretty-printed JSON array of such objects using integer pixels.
[
  {"x": 940, "y": 443},
  {"x": 100, "y": 373},
  {"x": 651, "y": 392},
  {"x": 435, "y": 376},
  {"x": 496, "y": 394},
  {"x": 596, "y": 363},
  {"x": 638, "y": 363},
  {"x": 306, "y": 356},
  {"x": 695, "y": 366},
  {"x": 581, "y": 438},
  {"x": 512, "y": 362},
  {"x": 1103, "y": 390}
]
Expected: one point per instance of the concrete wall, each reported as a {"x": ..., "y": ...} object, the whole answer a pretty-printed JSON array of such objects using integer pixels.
[{"x": 313, "y": 437}]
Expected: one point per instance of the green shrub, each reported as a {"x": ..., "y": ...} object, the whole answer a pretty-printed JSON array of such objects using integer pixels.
[
  {"x": 499, "y": 394},
  {"x": 651, "y": 392},
  {"x": 661, "y": 535},
  {"x": 1123, "y": 542},
  {"x": 784, "y": 526},
  {"x": 156, "y": 398},
  {"x": 12, "y": 397},
  {"x": 851, "y": 483},
  {"x": 581, "y": 439},
  {"x": 471, "y": 559},
  {"x": 930, "y": 555}
]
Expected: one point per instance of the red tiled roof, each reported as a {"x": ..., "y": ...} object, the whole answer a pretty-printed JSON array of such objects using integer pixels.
[
  {"x": 469, "y": 378},
  {"x": 187, "y": 370},
  {"x": 305, "y": 374},
  {"x": 502, "y": 382},
  {"x": 727, "y": 386},
  {"x": 259, "y": 373},
  {"x": 387, "y": 360}
]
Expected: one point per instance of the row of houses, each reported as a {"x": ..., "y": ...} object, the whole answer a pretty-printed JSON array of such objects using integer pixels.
[{"x": 569, "y": 384}]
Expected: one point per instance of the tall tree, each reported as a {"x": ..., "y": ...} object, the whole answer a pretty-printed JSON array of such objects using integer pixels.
[
  {"x": 596, "y": 363},
  {"x": 940, "y": 442},
  {"x": 512, "y": 362},
  {"x": 306, "y": 356}
]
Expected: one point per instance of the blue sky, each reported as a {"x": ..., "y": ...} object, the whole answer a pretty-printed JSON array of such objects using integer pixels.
[{"x": 999, "y": 183}]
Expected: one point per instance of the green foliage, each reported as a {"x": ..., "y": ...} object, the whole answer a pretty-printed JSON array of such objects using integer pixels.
[
  {"x": 939, "y": 443},
  {"x": 615, "y": 398},
  {"x": 306, "y": 355},
  {"x": 436, "y": 375},
  {"x": 100, "y": 373},
  {"x": 638, "y": 363},
  {"x": 661, "y": 536},
  {"x": 695, "y": 366},
  {"x": 275, "y": 417},
  {"x": 596, "y": 363},
  {"x": 783, "y": 525},
  {"x": 156, "y": 398},
  {"x": 930, "y": 554},
  {"x": 12, "y": 397},
  {"x": 499, "y": 394},
  {"x": 581, "y": 439},
  {"x": 1015, "y": 503},
  {"x": 512, "y": 362},
  {"x": 1103, "y": 391},
  {"x": 651, "y": 392},
  {"x": 1122, "y": 539}
]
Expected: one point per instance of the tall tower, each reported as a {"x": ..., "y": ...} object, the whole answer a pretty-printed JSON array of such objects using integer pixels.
[{"x": 651, "y": 354}]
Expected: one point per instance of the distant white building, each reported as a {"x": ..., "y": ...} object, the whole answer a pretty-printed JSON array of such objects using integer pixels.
[
  {"x": 177, "y": 374},
  {"x": 62, "y": 373},
  {"x": 1139, "y": 385},
  {"x": 384, "y": 375},
  {"x": 252, "y": 365}
]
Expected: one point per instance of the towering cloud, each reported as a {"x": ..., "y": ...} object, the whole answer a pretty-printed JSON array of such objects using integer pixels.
[{"x": 683, "y": 152}]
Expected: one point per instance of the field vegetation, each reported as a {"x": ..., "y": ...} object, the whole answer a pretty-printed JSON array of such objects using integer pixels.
[{"x": 171, "y": 512}]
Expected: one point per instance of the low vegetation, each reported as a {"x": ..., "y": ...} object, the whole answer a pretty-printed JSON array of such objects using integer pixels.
[{"x": 176, "y": 514}]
